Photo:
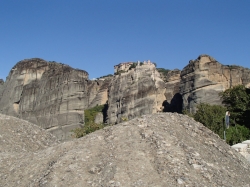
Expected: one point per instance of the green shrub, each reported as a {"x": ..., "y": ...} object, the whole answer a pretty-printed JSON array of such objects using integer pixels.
[
  {"x": 211, "y": 116},
  {"x": 186, "y": 112},
  {"x": 89, "y": 118},
  {"x": 90, "y": 114},
  {"x": 105, "y": 76},
  {"x": 88, "y": 128},
  {"x": 236, "y": 134},
  {"x": 163, "y": 71}
]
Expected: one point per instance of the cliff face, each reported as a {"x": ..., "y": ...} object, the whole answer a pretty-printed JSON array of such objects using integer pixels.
[
  {"x": 54, "y": 96},
  {"x": 51, "y": 95},
  {"x": 204, "y": 78},
  {"x": 98, "y": 92},
  {"x": 134, "y": 93},
  {"x": 173, "y": 101}
]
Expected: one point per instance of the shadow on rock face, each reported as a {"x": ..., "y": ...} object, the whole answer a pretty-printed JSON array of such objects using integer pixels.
[{"x": 175, "y": 105}]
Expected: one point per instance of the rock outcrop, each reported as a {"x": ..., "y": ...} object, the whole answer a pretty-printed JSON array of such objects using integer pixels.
[
  {"x": 51, "y": 95},
  {"x": 204, "y": 78},
  {"x": 164, "y": 149},
  {"x": 134, "y": 93},
  {"x": 54, "y": 96}
]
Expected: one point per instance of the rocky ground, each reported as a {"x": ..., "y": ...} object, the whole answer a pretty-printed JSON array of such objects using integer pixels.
[{"x": 159, "y": 150}]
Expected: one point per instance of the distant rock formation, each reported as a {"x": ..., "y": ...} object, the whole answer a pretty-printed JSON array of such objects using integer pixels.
[
  {"x": 51, "y": 95},
  {"x": 164, "y": 149},
  {"x": 54, "y": 95},
  {"x": 134, "y": 93},
  {"x": 125, "y": 66},
  {"x": 204, "y": 78}
]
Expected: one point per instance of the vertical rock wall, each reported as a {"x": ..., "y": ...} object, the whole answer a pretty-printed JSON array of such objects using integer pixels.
[
  {"x": 51, "y": 95},
  {"x": 204, "y": 78},
  {"x": 54, "y": 96},
  {"x": 173, "y": 101},
  {"x": 134, "y": 93}
]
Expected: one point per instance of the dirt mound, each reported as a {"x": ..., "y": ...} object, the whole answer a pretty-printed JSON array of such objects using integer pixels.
[{"x": 163, "y": 149}]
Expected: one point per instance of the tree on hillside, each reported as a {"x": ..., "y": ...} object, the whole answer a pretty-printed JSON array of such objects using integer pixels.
[
  {"x": 211, "y": 116},
  {"x": 237, "y": 101},
  {"x": 236, "y": 134}
]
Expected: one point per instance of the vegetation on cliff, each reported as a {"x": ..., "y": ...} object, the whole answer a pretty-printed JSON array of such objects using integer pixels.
[
  {"x": 163, "y": 71},
  {"x": 90, "y": 125},
  {"x": 106, "y": 76}
]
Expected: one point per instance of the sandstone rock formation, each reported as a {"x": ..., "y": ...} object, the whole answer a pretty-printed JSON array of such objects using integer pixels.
[
  {"x": 54, "y": 96},
  {"x": 204, "y": 78},
  {"x": 134, "y": 93},
  {"x": 164, "y": 149},
  {"x": 98, "y": 92},
  {"x": 51, "y": 95}
]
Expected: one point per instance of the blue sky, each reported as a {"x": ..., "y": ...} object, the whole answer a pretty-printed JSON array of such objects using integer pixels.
[{"x": 95, "y": 35}]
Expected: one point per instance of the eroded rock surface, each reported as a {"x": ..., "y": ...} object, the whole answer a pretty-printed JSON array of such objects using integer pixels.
[
  {"x": 51, "y": 95},
  {"x": 204, "y": 78},
  {"x": 134, "y": 93},
  {"x": 98, "y": 92},
  {"x": 164, "y": 149},
  {"x": 173, "y": 102}
]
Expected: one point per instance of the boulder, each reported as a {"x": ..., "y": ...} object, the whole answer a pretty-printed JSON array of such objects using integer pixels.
[{"x": 99, "y": 118}]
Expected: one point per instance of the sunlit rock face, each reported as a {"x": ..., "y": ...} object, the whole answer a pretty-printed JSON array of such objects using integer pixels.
[
  {"x": 98, "y": 92},
  {"x": 204, "y": 78},
  {"x": 51, "y": 95},
  {"x": 134, "y": 93}
]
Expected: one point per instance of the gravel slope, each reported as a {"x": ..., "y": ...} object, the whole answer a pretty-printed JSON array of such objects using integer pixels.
[{"x": 164, "y": 149}]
